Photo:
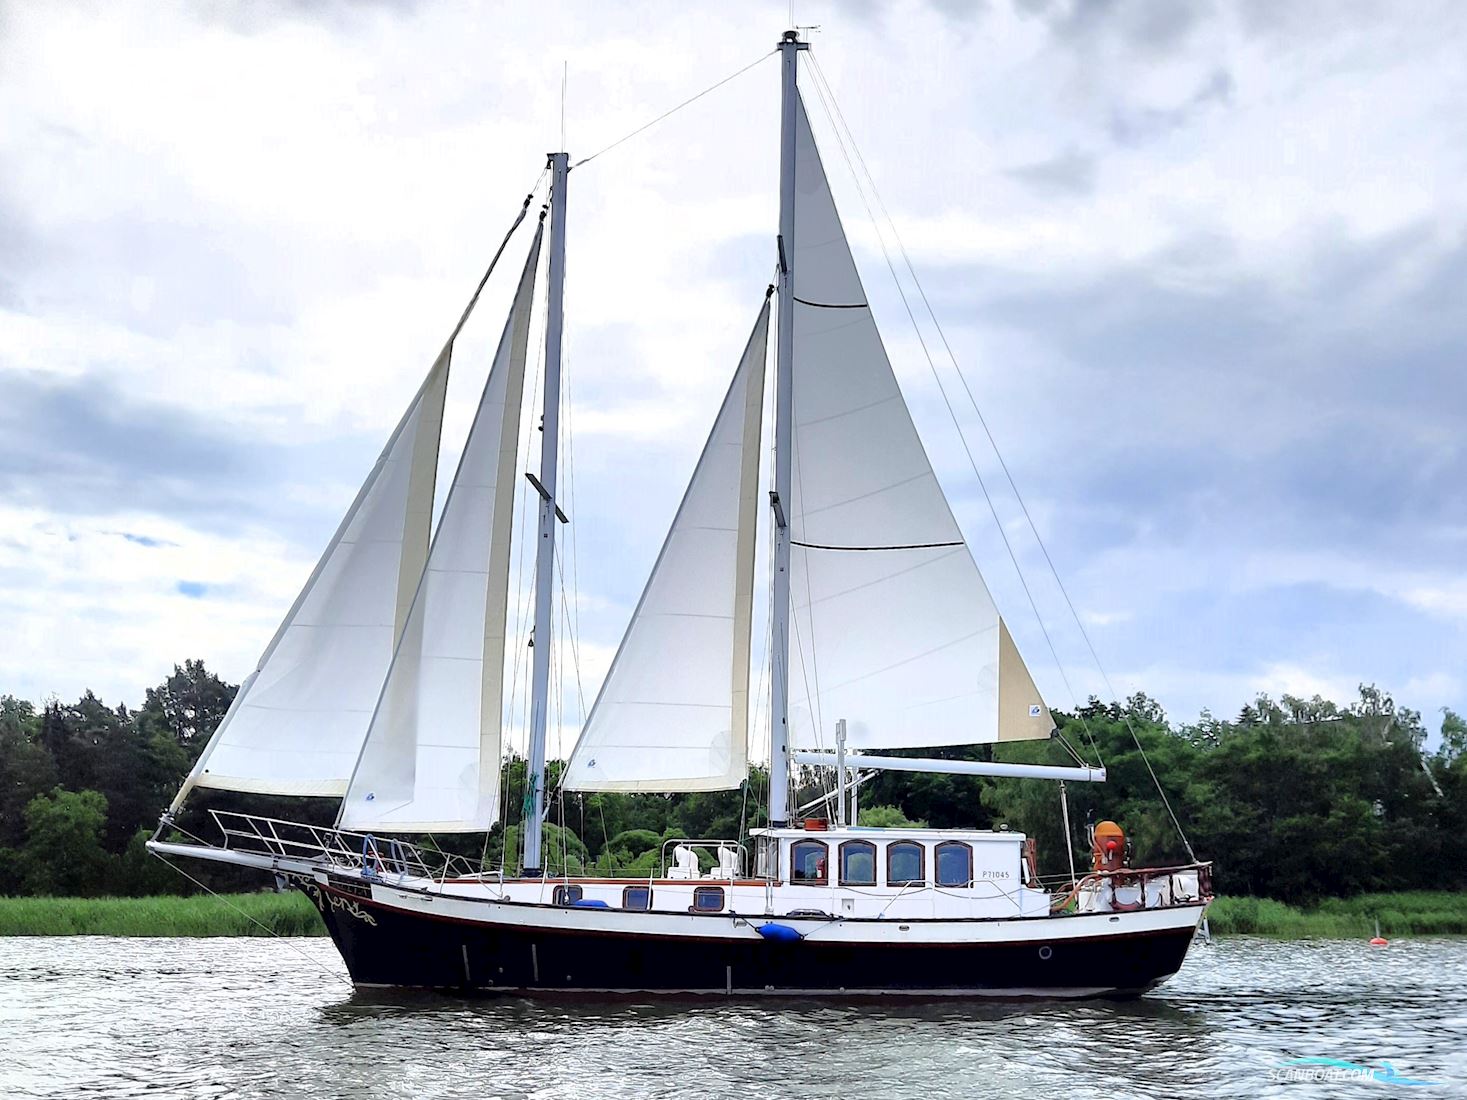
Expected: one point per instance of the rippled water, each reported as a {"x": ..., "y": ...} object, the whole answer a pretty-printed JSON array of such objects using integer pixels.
[{"x": 273, "y": 1018}]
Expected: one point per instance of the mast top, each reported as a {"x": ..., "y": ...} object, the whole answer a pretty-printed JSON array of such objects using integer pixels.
[{"x": 792, "y": 38}]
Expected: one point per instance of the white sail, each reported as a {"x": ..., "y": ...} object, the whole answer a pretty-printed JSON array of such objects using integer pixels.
[
  {"x": 430, "y": 762},
  {"x": 893, "y": 629},
  {"x": 673, "y": 711},
  {"x": 298, "y": 721}
]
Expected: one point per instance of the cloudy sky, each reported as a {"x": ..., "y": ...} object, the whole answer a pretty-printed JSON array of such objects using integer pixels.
[{"x": 1202, "y": 265}]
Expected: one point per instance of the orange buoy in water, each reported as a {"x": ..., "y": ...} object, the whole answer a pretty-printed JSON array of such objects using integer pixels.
[{"x": 1378, "y": 940}]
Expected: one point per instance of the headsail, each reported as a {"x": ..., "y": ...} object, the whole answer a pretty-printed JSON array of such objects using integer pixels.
[
  {"x": 298, "y": 721},
  {"x": 893, "y": 627},
  {"x": 430, "y": 762},
  {"x": 673, "y": 711}
]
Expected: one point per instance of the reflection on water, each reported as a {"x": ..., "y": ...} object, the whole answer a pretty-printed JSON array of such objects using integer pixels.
[{"x": 254, "y": 1018}]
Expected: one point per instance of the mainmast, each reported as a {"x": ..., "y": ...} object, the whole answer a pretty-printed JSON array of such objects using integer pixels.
[
  {"x": 779, "y": 730},
  {"x": 549, "y": 512}
]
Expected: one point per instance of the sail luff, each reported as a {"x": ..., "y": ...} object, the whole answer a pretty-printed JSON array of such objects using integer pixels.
[
  {"x": 672, "y": 711},
  {"x": 430, "y": 760}
]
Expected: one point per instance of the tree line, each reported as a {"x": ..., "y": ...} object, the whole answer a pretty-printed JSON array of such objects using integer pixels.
[{"x": 1293, "y": 799}]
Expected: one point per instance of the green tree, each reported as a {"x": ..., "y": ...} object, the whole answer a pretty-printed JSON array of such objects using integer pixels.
[{"x": 63, "y": 854}]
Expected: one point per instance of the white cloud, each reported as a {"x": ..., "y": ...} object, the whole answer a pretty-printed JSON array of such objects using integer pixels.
[{"x": 268, "y": 219}]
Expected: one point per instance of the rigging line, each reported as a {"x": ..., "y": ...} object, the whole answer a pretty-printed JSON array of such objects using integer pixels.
[
  {"x": 963, "y": 439},
  {"x": 675, "y": 110},
  {"x": 993, "y": 443},
  {"x": 474, "y": 300},
  {"x": 570, "y": 469},
  {"x": 522, "y": 626},
  {"x": 270, "y": 931}
]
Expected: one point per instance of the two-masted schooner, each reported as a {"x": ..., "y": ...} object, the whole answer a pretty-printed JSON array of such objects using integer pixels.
[{"x": 384, "y": 687}]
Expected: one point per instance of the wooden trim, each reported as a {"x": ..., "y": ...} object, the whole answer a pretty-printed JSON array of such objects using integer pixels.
[
  {"x": 823, "y": 880},
  {"x": 841, "y": 857},
  {"x": 625, "y": 880},
  {"x": 937, "y": 856},
  {"x": 921, "y": 862}
]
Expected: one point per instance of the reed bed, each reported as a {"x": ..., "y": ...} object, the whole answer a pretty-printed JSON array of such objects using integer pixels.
[
  {"x": 263, "y": 914},
  {"x": 1415, "y": 913}
]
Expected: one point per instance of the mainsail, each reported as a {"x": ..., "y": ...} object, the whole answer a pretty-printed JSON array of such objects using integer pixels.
[
  {"x": 893, "y": 629},
  {"x": 430, "y": 762},
  {"x": 673, "y": 711},
  {"x": 297, "y": 722}
]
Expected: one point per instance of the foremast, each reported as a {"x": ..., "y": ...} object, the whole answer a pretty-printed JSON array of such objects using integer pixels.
[
  {"x": 549, "y": 513},
  {"x": 779, "y": 611}
]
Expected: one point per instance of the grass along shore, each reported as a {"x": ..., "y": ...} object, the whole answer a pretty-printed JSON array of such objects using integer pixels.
[
  {"x": 1416, "y": 913},
  {"x": 290, "y": 914},
  {"x": 1421, "y": 913}
]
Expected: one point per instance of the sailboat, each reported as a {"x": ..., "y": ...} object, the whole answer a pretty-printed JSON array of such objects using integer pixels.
[{"x": 384, "y": 687}]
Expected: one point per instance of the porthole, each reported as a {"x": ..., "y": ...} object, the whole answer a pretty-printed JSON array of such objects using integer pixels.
[
  {"x": 707, "y": 899},
  {"x": 1046, "y": 952},
  {"x": 636, "y": 897}
]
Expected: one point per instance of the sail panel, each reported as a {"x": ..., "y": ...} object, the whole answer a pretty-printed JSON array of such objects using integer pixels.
[
  {"x": 893, "y": 627},
  {"x": 298, "y": 721},
  {"x": 672, "y": 713},
  {"x": 431, "y": 758}
]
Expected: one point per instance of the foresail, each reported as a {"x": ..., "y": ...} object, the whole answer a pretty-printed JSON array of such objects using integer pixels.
[
  {"x": 298, "y": 721},
  {"x": 893, "y": 628},
  {"x": 673, "y": 711},
  {"x": 430, "y": 762}
]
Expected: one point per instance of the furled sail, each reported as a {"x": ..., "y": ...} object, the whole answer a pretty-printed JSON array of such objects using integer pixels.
[
  {"x": 430, "y": 762},
  {"x": 673, "y": 711},
  {"x": 893, "y": 628},
  {"x": 298, "y": 721}
]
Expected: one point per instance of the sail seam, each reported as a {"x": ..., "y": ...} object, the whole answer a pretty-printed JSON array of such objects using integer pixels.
[
  {"x": 908, "y": 546},
  {"x": 831, "y": 305}
]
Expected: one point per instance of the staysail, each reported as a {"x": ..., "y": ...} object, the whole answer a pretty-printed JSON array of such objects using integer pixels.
[
  {"x": 673, "y": 711},
  {"x": 893, "y": 628},
  {"x": 430, "y": 762},
  {"x": 297, "y": 722}
]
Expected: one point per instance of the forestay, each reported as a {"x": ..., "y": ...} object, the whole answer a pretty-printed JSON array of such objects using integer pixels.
[
  {"x": 893, "y": 627},
  {"x": 430, "y": 762},
  {"x": 298, "y": 721},
  {"x": 673, "y": 711}
]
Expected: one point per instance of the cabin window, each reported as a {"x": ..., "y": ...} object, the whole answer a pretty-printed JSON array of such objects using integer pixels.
[
  {"x": 636, "y": 897},
  {"x": 904, "y": 863},
  {"x": 567, "y": 895},
  {"x": 954, "y": 861},
  {"x": 707, "y": 899},
  {"x": 858, "y": 863},
  {"x": 808, "y": 862}
]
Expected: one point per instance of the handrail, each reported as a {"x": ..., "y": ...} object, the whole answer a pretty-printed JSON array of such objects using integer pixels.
[{"x": 351, "y": 851}]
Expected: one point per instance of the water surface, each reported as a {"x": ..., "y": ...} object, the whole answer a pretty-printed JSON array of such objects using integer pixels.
[{"x": 97, "y": 1016}]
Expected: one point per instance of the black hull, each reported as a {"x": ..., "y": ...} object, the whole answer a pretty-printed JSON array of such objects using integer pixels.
[{"x": 402, "y": 949}]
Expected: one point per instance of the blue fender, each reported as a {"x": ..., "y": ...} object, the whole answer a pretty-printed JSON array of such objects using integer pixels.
[{"x": 779, "y": 933}]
